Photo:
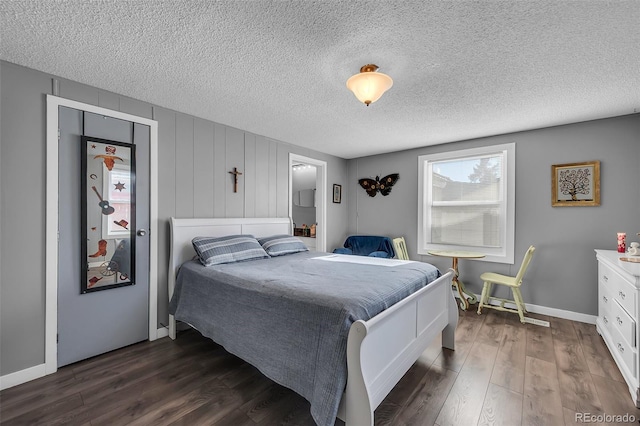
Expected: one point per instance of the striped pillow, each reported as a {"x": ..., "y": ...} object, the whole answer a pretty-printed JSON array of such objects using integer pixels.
[
  {"x": 278, "y": 245},
  {"x": 229, "y": 249}
]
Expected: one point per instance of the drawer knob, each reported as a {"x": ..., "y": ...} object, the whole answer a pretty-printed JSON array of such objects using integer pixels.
[
  {"x": 620, "y": 347},
  {"x": 621, "y": 294},
  {"x": 604, "y": 277},
  {"x": 619, "y": 320}
]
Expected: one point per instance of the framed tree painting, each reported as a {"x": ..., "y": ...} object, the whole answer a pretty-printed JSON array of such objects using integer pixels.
[{"x": 575, "y": 184}]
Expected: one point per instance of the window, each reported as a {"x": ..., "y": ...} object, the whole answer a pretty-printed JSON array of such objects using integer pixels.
[{"x": 467, "y": 201}]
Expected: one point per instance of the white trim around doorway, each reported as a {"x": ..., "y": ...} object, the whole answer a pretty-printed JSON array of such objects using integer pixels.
[
  {"x": 321, "y": 196},
  {"x": 51, "y": 250}
]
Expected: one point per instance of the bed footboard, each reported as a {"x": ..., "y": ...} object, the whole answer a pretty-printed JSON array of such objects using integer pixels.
[{"x": 381, "y": 350}]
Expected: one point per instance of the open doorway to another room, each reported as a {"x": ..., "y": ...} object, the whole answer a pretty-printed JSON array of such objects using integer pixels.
[
  {"x": 307, "y": 183},
  {"x": 303, "y": 210}
]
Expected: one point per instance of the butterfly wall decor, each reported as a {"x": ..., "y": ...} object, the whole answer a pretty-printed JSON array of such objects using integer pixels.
[{"x": 372, "y": 186}]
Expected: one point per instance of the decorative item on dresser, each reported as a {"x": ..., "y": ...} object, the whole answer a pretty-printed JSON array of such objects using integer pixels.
[
  {"x": 622, "y": 242},
  {"x": 617, "y": 323}
]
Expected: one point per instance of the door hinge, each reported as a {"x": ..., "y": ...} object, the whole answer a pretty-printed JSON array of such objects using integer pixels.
[
  {"x": 57, "y": 338},
  {"x": 58, "y": 134}
]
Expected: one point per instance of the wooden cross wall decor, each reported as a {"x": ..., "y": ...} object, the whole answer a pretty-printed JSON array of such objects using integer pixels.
[{"x": 235, "y": 174}]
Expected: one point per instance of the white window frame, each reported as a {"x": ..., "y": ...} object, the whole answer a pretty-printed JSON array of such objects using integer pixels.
[{"x": 505, "y": 252}]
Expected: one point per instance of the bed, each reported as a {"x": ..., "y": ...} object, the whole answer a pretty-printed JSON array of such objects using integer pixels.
[{"x": 350, "y": 355}]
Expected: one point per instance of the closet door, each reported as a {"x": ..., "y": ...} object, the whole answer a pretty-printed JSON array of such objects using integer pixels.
[{"x": 103, "y": 271}]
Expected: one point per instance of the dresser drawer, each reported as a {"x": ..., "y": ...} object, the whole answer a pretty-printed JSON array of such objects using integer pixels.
[
  {"x": 628, "y": 355},
  {"x": 605, "y": 302},
  {"x": 625, "y": 325},
  {"x": 618, "y": 288},
  {"x": 618, "y": 316}
]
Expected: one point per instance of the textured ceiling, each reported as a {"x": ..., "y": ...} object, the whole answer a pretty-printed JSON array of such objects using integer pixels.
[{"x": 461, "y": 69}]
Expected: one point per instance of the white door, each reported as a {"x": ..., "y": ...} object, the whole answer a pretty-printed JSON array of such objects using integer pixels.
[{"x": 103, "y": 272}]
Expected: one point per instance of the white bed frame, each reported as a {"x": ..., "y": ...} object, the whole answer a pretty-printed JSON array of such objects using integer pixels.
[{"x": 379, "y": 351}]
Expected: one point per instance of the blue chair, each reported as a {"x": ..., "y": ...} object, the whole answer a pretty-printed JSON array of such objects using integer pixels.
[{"x": 367, "y": 245}]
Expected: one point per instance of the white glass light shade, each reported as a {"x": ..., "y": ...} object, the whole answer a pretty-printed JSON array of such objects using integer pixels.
[{"x": 368, "y": 86}]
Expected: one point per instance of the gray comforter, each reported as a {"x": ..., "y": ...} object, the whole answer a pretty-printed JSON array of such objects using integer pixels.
[{"x": 289, "y": 316}]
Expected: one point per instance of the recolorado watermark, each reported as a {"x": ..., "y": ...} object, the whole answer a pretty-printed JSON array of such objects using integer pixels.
[{"x": 605, "y": 418}]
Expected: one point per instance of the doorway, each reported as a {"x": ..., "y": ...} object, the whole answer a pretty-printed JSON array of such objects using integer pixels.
[
  {"x": 103, "y": 217},
  {"x": 303, "y": 210},
  {"x": 307, "y": 200},
  {"x": 59, "y": 110}
]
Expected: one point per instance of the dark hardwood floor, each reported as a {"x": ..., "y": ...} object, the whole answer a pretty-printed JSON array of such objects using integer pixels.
[{"x": 502, "y": 373}]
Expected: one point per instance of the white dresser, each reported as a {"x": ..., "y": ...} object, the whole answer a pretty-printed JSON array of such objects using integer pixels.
[{"x": 617, "y": 323}]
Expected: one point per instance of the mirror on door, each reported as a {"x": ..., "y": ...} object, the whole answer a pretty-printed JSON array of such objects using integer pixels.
[
  {"x": 108, "y": 203},
  {"x": 303, "y": 190}
]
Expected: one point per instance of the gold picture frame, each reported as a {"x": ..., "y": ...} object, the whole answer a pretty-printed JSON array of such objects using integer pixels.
[{"x": 575, "y": 184}]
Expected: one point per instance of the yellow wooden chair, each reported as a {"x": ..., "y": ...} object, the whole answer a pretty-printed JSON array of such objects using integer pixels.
[
  {"x": 491, "y": 278},
  {"x": 400, "y": 248}
]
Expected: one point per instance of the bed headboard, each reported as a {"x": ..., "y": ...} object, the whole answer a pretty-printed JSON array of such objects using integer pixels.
[{"x": 184, "y": 230}]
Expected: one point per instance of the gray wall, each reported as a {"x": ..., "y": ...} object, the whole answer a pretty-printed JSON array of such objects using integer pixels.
[
  {"x": 562, "y": 274},
  {"x": 195, "y": 156}
]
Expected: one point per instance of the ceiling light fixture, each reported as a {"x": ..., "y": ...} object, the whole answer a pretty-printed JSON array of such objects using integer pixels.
[{"x": 369, "y": 84}]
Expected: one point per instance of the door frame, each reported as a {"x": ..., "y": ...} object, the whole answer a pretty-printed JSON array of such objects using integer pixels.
[
  {"x": 321, "y": 196},
  {"x": 51, "y": 225}
]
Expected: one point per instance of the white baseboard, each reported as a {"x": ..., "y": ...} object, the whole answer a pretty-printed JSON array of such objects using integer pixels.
[
  {"x": 19, "y": 377},
  {"x": 163, "y": 332},
  {"x": 22, "y": 376},
  {"x": 552, "y": 312}
]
